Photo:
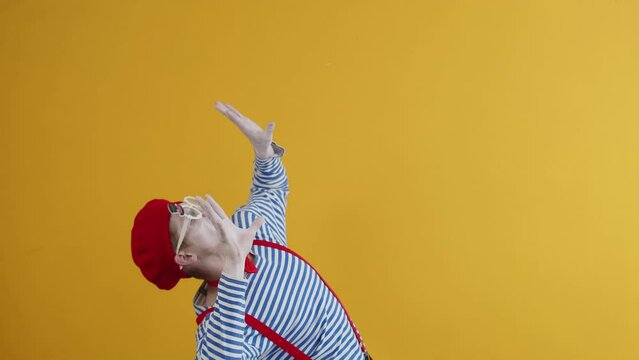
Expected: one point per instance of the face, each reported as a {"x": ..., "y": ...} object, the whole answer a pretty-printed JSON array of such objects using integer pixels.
[{"x": 201, "y": 252}]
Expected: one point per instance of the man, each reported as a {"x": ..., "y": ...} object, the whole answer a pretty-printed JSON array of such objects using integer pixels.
[{"x": 258, "y": 298}]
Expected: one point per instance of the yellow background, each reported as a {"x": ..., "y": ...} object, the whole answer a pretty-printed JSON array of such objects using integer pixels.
[{"x": 463, "y": 173}]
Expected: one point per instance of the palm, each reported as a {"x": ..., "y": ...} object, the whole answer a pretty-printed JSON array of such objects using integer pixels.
[
  {"x": 239, "y": 240},
  {"x": 235, "y": 237}
]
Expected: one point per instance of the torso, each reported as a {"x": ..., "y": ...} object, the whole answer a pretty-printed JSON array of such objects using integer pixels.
[{"x": 308, "y": 307}]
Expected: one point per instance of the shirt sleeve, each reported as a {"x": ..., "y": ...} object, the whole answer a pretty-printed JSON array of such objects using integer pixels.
[
  {"x": 223, "y": 329},
  {"x": 267, "y": 198}
]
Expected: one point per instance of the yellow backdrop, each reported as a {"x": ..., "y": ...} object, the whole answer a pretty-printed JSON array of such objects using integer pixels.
[{"x": 463, "y": 173}]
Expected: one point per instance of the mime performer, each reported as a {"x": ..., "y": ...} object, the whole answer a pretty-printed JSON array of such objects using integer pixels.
[{"x": 258, "y": 298}]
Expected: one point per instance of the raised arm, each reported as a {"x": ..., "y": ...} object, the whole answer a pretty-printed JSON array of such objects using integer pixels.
[
  {"x": 269, "y": 190},
  {"x": 267, "y": 198}
]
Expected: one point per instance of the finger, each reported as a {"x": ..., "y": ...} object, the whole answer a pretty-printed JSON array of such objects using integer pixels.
[
  {"x": 235, "y": 111},
  {"x": 244, "y": 121},
  {"x": 215, "y": 218},
  {"x": 259, "y": 221},
  {"x": 226, "y": 111},
  {"x": 218, "y": 209},
  {"x": 245, "y": 124},
  {"x": 231, "y": 111},
  {"x": 222, "y": 108},
  {"x": 224, "y": 235}
]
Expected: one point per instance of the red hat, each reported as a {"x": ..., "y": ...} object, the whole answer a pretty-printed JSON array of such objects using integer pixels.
[{"x": 151, "y": 245}]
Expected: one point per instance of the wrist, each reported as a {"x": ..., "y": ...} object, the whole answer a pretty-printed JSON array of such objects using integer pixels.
[
  {"x": 234, "y": 269},
  {"x": 264, "y": 154}
]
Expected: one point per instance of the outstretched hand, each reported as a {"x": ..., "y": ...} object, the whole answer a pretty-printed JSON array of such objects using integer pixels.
[
  {"x": 261, "y": 139},
  {"x": 237, "y": 240}
]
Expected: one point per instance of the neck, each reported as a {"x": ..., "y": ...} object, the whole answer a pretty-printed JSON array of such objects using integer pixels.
[{"x": 250, "y": 256}]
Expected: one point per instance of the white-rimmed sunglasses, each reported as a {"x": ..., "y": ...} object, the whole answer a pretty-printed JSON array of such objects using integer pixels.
[{"x": 187, "y": 209}]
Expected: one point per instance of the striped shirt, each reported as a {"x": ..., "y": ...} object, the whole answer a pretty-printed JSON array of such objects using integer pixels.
[{"x": 285, "y": 293}]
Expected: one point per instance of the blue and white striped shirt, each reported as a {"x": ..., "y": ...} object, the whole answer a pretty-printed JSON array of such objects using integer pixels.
[{"x": 286, "y": 294}]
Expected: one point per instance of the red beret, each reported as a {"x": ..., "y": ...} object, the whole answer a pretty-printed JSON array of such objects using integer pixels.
[{"x": 151, "y": 245}]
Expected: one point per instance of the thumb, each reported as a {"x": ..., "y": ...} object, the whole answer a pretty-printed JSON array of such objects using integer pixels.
[
  {"x": 259, "y": 221},
  {"x": 269, "y": 129}
]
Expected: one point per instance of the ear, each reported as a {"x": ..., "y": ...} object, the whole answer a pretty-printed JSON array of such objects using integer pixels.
[{"x": 184, "y": 259}]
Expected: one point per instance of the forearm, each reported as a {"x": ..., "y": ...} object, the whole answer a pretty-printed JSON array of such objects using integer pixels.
[
  {"x": 267, "y": 198},
  {"x": 223, "y": 332}
]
